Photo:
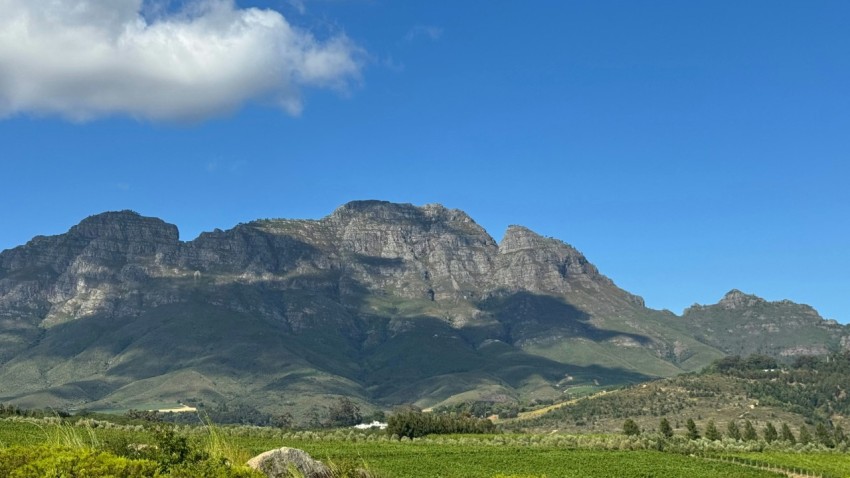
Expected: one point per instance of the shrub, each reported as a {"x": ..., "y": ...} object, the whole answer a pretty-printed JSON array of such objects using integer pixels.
[
  {"x": 631, "y": 428},
  {"x": 21, "y": 462},
  {"x": 665, "y": 429}
]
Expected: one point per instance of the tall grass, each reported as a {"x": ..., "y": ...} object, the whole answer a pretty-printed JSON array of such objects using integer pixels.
[
  {"x": 67, "y": 435},
  {"x": 218, "y": 447}
]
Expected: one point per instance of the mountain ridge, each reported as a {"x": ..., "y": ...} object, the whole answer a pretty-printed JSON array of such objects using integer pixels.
[{"x": 388, "y": 303}]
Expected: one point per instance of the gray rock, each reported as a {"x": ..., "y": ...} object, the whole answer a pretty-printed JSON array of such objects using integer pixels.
[{"x": 282, "y": 462}]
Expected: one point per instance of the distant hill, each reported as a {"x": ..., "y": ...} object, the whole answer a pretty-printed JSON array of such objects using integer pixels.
[
  {"x": 806, "y": 392},
  {"x": 381, "y": 302},
  {"x": 744, "y": 324}
]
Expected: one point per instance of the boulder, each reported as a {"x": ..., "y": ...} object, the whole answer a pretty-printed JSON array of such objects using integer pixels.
[{"x": 282, "y": 462}]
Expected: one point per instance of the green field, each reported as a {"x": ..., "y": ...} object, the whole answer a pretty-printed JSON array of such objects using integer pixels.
[
  {"x": 434, "y": 460},
  {"x": 487, "y": 456},
  {"x": 831, "y": 464}
]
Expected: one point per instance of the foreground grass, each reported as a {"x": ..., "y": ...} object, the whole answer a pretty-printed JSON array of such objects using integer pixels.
[
  {"x": 50, "y": 448},
  {"x": 458, "y": 456}
]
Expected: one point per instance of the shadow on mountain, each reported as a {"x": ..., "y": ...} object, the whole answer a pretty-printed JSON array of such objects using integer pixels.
[
  {"x": 377, "y": 262},
  {"x": 524, "y": 315},
  {"x": 425, "y": 356},
  {"x": 307, "y": 336}
]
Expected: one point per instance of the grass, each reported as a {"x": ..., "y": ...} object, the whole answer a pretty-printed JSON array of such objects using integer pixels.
[
  {"x": 832, "y": 464},
  {"x": 586, "y": 352},
  {"x": 483, "y": 461},
  {"x": 473, "y": 456}
]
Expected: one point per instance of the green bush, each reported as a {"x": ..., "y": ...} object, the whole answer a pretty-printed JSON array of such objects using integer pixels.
[
  {"x": 631, "y": 428},
  {"x": 21, "y": 462}
]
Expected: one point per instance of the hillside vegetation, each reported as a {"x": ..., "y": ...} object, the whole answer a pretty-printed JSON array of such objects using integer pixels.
[{"x": 808, "y": 392}]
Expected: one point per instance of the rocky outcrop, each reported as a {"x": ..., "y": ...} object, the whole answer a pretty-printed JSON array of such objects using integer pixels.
[
  {"x": 280, "y": 463},
  {"x": 735, "y": 300},
  {"x": 529, "y": 261}
]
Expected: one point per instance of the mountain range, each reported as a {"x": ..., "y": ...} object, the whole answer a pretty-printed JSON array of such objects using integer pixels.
[{"x": 384, "y": 303}]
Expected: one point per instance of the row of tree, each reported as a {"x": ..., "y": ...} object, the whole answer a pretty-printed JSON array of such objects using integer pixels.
[
  {"x": 747, "y": 432},
  {"x": 415, "y": 423},
  {"x": 15, "y": 411}
]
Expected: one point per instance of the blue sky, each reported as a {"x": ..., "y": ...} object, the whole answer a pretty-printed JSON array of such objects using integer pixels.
[{"x": 687, "y": 148}]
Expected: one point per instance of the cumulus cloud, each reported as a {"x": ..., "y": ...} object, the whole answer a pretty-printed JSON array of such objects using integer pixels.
[{"x": 84, "y": 59}]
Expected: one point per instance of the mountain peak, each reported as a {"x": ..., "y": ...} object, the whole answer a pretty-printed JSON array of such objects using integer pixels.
[
  {"x": 123, "y": 225},
  {"x": 385, "y": 212},
  {"x": 369, "y": 204},
  {"x": 735, "y": 299},
  {"x": 518, "y": 238},
  {"x": 377, "y": 210},
  {"x": 112, "y": 216}
]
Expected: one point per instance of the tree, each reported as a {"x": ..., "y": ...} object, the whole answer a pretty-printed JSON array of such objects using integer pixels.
[
  {"x": 282, "y": 420},
  {"x": 665, "y": 428},
  {"x": 786, "y": 434},
  {"x": 750, "y": 433},
  {"x": 805, "y": 436},
  {"x": 344, "y": 413},
  {"x": 840, "y": 437},
  {"x": 732, "y": 431},
  {"x": 144, "y": 415},
  {"x": 693, "y": 432},
  {"x": 770, "y": 434},
  {"x": 711, "y": 431},
  {"x": 377, "y": 416},
  {"x": 631, "y": 428},
  {"x": 823, "y": 436}
]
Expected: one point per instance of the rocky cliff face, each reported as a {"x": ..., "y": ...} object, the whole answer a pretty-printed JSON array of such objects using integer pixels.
[
  {"x": 744, "y": 324},
  {"x": 429, "y": 252},
  {"x": 386, "y": 302}
]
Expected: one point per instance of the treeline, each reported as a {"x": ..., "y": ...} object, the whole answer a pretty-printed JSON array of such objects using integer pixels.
[
  {"x": 415, "y": 423},
  {"x": 484, "y": 409},
  {"x": 753, "y": 366},
  {"x": 7, "y": 411},
  {"x": 224, "y": 413},
  {"x": 342, "y": 412},
  {"x": 824, "y": 434}
]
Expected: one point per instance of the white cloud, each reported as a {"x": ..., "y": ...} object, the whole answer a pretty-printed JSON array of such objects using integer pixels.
[{"x": 83, "y": 59}]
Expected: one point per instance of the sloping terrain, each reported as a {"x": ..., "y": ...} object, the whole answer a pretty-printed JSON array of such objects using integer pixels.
[
  {"x": 385, "y": 303},
  {"x": 807, "y": 392},
  {"x": 744, "y": 324}
]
